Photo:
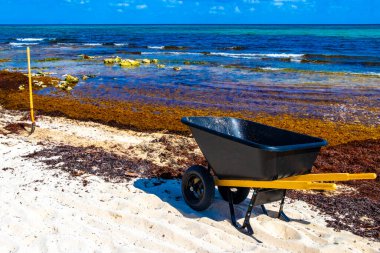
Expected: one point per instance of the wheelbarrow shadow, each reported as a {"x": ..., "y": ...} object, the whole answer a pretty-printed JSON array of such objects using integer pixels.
[{"x": 169, "y": 191}]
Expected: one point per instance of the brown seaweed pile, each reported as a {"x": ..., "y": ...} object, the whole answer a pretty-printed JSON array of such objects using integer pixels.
[
  {"x": 11, "y": 81},
  {"x": 95, "y": 161},
  {"x": 354, "y": 157},
  {"x": 357, "y": 214},
  {"x": 357, "y": 211},
  {"x": 116, "y": 168},
  {"x": 13, "y": 128}
]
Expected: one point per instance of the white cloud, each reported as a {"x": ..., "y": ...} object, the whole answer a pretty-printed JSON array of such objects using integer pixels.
[
  {"x": 78, "y": 1},
  {"x": 141, "y": 6},
  {"x": 221, "y": 8},
  {"x": 172, "y": 3},
  {"x": 217, "y": 10},
  {"x": 280, "y": 3},
  {"x": 237, "y": 10},
  {"x": 122, "y": 4}
]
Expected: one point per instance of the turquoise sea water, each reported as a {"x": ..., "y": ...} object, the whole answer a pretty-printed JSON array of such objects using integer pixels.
[{"x": 316, "y": 70}]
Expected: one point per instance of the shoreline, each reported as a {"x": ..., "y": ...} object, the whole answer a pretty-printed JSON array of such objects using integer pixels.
[{"x": 150, "y": 117}]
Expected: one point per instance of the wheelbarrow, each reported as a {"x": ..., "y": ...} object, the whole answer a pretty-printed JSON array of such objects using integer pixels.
[{"x": 244, "y": 155}]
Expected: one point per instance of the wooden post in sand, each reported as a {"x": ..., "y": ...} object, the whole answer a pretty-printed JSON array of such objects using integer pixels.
[{"x": 30, "y": 91}]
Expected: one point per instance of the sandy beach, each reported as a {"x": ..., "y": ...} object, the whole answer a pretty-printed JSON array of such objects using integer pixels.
[{"x": 48, "y": 208}]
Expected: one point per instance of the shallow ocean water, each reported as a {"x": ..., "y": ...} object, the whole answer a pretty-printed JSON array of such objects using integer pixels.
[{"x": 330, "y": 72}]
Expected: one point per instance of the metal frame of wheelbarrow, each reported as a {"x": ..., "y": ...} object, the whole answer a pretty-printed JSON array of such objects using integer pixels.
[{"x": 301, "y": 182}]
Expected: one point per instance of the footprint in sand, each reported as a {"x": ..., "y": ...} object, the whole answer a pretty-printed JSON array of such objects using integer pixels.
[{"x": 281, "y": 230}]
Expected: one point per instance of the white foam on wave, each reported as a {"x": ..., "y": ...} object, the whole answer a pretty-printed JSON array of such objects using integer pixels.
[
  {"x": 368, "y": 73},
  {"x": 22, "y": 44},
  {"x": 296, "y": 57},
  {"x": 156, "y": 47},
  {"x": 271, "y": 69},
  {"x": 293, "y": 57},
  {"x": 121, "y": 44},
  {"x": 283, "y": 55},
  {"x": 93, "y": 44},
  {"x": 172, "y": 53},
  {"x": 30, "y": 39},
  {"x": 66, "y": 44}
]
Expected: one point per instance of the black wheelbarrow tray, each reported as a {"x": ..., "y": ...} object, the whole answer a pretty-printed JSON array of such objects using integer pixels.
[{"x": 244, "y": 155}]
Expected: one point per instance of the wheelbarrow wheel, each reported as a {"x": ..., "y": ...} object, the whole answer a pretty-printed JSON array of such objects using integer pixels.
[
  {"x": 239, "y": 194},
  {"x": 198, "y": 188}
]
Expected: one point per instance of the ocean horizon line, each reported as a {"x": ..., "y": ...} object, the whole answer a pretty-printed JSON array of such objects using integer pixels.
[{"x": 208, "y": 24}]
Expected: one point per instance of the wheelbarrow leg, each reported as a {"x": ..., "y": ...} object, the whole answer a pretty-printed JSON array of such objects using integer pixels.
[
  {"x": 281, "y": 214},
  {"x": 264, "y": 210},
  {"x": 246, "y": 228}
]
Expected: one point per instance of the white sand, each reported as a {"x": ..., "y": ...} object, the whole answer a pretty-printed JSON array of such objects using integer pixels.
[{"x": 48, "y": 211}]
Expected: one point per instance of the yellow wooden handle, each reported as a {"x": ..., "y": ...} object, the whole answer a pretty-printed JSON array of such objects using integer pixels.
[
  {"x": 30, "y": 87},
  {"x": 361, "y": 176},
  {"x": 301, "y": 182},
  {"x": 276, "y": 184},
  {"x": 331, "y": 177}
]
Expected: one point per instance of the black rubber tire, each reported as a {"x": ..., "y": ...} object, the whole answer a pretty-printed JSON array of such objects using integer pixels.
[
  {"x": 198, "y": 188},
  {"x": 239, "y": 195}
]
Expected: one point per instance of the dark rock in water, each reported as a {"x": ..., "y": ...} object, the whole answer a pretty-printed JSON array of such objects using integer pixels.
[
  {"x": 136, "y": 46},
  {"x": 234, "y": 48},
  {"x": 50, "y": 59},
  {"x": 288, "y": 59},
  {"x": 371, "y": 64},
  {"x": 134, "y": 53},
  {"x": 314, "y": 61},
  {"x": 196, "y": 63},
  {"x": 175, "y": 48},
  {"x": 87, "y": 57},
  {"x": 109, "y": 44},
  {"x": 206, "y": 53},
  {"x": 230, "y": 66}
]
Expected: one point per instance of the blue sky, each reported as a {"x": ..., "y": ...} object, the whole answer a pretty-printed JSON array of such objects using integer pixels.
[{"x": 189, "y": 11}]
